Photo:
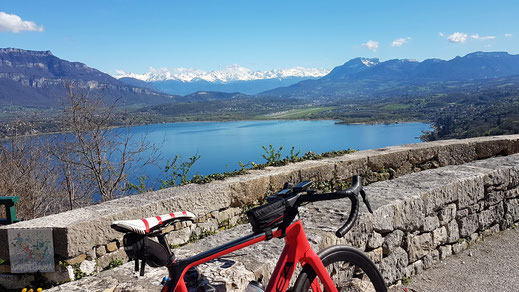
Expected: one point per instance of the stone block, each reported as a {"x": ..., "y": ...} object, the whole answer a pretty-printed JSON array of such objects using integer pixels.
[
  {"x": 210, "y": 225},
  {"x": 470, "y": 191},
  {"x": 419, "y": 246},
  {"x": 249, "y": 190},
  {"x": 383, "y": 219},
  {"x": 358, "y": 236},
  {"x": 420, "y": 153},
  {"x": 76, "y": 260},
  {"x": 393, "y": 267},
  {"x": 392, "y": 241},
  {"x": 514, "y": 178},
  {"x": 474, "y": 237},
  {"x": 491, "y": 216},
  {"x": 91, "y": 254},
  {"x": 490, "y": 231},
  {"x": 512, "y": 210},
  {"x": 513, "y": 193},
  {"x": 439, "y": 236},
  {"x": 278, "y": 176},
  {"x": 459, "y": 246},
  {"x": 418, "y": 267},
  {"x": 100, "y": 251},
  {"x": 391, "y": 157},
  {"x": 349, "y": 165},
  {"x": 226, "y": 215},
  {"x": 88, "y": 267},
  {"x": 490, "y": 148},
  {"x": 319, "y": 170},
  {"x": 453, "y": 232},
  {"x": 445, "y": 251},
  {"x": 179, "y": 237},
  {"x": 456, "y": 153},
  {"x": 468, "y": 225},
  {"x": 462, "y": 213},
  {"x": 4, "y": 269},
  {"x": 15, "y": 281},
  {"x": 61, "y": 274},
  {"x": 120, "y": 254},
  {"x": 409, "y": 215},
  {"x": 112, "y": 246},
  {"x": 494, "y": 198},
  {"x": 447, "y": 214},
  {"x": 430, "y": 223},
  {"x": 476, "y": 208},
  {"x": 498, "y": 179},
  {"x": 431, "y": 259},
  {"x": 376, "y": 255},
  {"x": 436, "y": 198},
  {"x": 375, "y": 241}
]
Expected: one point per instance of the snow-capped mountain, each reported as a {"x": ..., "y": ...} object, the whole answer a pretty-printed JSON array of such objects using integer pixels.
[
  {"x": 229, "y": 74},
  {"x": 234, "y": 78}
]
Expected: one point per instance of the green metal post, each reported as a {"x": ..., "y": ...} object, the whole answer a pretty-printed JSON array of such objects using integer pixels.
[{"x": 10, "y": 209}]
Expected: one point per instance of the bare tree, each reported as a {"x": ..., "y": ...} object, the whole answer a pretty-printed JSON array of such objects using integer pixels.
[
  {"x": 27, "y": 171},
  {"x": 104, "y": 155},
  {"x": 53, "y": 173}
]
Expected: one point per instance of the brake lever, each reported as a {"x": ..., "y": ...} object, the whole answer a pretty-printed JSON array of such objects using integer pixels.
[{"x": 365, "y": 199}]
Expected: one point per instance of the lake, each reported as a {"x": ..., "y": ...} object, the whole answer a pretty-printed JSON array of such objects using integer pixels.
[{"x": 221, "y": 145}]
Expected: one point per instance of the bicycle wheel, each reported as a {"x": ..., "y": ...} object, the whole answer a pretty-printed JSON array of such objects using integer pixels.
[{"x": 349, "y": 268}]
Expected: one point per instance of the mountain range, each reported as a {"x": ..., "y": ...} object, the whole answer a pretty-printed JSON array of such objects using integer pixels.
[
  {"x": 231, "y": 79},
  {"x": 369, "y": 77},
  {"x": 39, "y": 79}
]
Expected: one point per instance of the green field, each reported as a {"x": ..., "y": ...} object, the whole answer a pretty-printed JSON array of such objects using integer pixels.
[
  {"x": 395, "y": 106},
  {"x": 305, "y": 113}
]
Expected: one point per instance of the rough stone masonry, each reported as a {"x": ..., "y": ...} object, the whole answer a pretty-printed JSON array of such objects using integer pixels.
[{"x": 419, "y": 219}]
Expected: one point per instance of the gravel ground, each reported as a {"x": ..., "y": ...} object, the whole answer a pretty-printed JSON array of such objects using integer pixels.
[{"x": 489, "y": 264}]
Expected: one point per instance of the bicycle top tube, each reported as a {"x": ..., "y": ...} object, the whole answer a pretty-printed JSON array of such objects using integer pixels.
[{"x": 297, "y": 250}]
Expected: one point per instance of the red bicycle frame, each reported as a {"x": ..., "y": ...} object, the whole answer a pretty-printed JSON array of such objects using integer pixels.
[{"x": 297, "y": 250}]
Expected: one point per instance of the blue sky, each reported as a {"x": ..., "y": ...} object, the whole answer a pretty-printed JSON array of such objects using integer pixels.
[{"x": 260, "y": 35}]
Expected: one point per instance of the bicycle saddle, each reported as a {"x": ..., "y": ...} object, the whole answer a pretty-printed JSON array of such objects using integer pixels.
[{"x": 145, "y": 225}]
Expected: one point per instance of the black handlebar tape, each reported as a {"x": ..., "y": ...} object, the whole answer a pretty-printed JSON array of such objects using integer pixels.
[
  {"x": 365, "y": 199},
  {"x": 354, "y": 213}
]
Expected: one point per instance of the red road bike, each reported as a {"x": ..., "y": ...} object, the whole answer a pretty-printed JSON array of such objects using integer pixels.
[{"x": 336, "y": 268}]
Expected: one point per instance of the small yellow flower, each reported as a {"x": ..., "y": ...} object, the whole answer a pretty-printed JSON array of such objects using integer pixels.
[
  {"x": 39, "y": 290},
  {"x": 24, "y": 290},
  {"x": 30, "y": 290}
]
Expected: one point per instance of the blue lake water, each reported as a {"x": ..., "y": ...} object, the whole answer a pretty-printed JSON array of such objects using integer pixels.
[{"x": 222, "y": 145}]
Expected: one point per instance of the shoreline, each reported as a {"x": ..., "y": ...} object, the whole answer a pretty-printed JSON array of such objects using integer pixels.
[{"x": 337, "y": 122}]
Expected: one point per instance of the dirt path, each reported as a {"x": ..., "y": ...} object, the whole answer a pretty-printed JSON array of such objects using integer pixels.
[{"x": 489, "y": 265}]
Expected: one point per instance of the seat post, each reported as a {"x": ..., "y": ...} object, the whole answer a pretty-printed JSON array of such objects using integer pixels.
[{"x": 164, "y": 241}]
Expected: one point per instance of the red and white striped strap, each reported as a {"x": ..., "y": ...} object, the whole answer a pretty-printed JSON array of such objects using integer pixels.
[{"x": 143, "y": 226}]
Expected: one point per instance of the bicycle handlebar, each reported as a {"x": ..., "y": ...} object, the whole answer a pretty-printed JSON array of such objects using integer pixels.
[{"x": 351, "y": 193}]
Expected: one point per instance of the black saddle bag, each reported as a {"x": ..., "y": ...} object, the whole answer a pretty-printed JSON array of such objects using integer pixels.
[
  {"x": 142, "y": 247},
  {"x": 267, "y": 217}
]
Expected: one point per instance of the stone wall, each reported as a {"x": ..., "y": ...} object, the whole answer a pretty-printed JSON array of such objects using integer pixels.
[
  {"x": 421, "y": 225},
  {"x": 436, "y": 213},
  {"x": 419, "y": 219}
]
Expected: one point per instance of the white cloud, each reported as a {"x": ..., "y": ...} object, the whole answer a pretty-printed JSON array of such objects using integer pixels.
[
  {"x": 457, "y": 37},
  {"x": 14, "y": 23},
  {"x": 508, "y": 35},
  {"x": 441, "y": 34},
  {"x": 399, "y": 42},
  {"x": 483, "y": 38},
  {"x": 371, "y": 45}
]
